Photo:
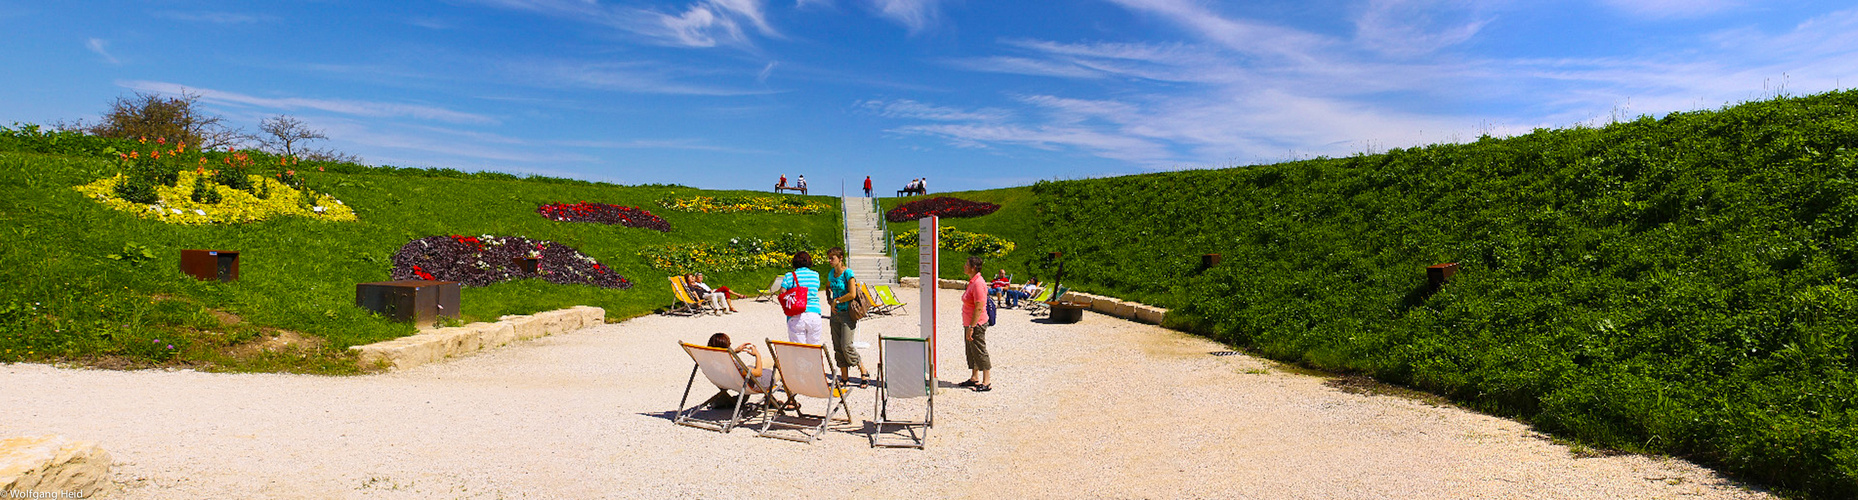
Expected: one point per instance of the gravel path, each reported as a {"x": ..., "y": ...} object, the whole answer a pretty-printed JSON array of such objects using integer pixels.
[{"x": 1103, "y": 408}]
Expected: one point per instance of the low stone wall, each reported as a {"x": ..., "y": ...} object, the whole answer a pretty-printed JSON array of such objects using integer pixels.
[
  {"x": 1112, "y": 306},
  {"x": 52, "y": 466},
  {"x": 436, "y": 345}
]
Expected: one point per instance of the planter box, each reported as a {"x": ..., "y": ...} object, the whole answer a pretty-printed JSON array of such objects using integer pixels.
[
  {"x": 211, "y": 265},
  {"x": 528, "y": 265},
  {"x": 1066, "y": 313},
  {"x": 418, "y": 301}
]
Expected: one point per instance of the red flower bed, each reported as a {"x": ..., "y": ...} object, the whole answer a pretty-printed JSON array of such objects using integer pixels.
[
  {"x": 480, "y": 261},
  {"x": 605, "y": 214},
  {"x": 940, "y": 206}
]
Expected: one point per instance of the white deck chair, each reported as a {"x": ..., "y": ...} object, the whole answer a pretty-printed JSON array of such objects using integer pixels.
[
  {"x": 903, "y": 364},
  {"x": 727, "y": 373},
  {"x": 802, "y": 370}
]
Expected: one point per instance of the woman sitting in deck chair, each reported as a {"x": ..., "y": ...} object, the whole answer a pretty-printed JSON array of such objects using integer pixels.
[{"x": 760, "y": 373}]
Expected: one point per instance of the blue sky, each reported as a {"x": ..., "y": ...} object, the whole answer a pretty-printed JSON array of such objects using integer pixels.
[{"x": 971, "y": 94}]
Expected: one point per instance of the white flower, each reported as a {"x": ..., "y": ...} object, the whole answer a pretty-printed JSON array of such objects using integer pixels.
[
  {"x": 318, "y": 209},
  {"x": 200, "y": 212},
  {"x": 338, "y": 202},
  {"x": 176, "y": 211}
]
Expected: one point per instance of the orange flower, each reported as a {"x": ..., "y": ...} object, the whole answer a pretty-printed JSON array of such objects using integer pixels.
[
  {"x": 200, "y": 170},
  {"x": 143, "y": 139},
  {"x": 319, "y": 168},
  {"x": 290, "y": 172},
  {"x": 161, "y": 140},
  {"x": 135, "y": 154}
]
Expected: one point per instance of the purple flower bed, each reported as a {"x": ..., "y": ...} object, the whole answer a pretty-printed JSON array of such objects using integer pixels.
[
  {"x": 940, "y": 206},
  {"x": 604, "y": 213},
  {"x": 483, "y": 260}
]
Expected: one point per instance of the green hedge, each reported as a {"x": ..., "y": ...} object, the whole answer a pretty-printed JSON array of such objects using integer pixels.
[{"x": 1679, "y": 285}]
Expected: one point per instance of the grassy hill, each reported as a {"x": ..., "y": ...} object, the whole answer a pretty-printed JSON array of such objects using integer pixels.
[
  {"x": 67, "y": 300},
  {"x": 1686, "y": 284}
]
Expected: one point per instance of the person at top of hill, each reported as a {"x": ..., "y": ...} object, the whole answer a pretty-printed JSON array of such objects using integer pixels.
[
  {"x": 783, "y": 182},
  {"x": 867, "y": 186},
  {"x": 801, "y": 183},
  {"x": 922, "y": 186}
]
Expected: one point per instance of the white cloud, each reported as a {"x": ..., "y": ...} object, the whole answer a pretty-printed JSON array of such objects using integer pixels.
[
  {"x": 339, "y": 106},
  {"x": 917, "y": 15},
  {"x": 1667, "y": 9},
  {"x": 1309, "y": 94},
  {"x": 638, "y": 77},
  {"x": 100, "y": 46},
  {"x": 909, "y": 109},
  {"x": 704, "y": 23},
  {"x": 1416, "y": 27}
]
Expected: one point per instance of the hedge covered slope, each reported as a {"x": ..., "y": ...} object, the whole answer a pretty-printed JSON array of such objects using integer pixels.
[{"x": 1681, "y": 285}]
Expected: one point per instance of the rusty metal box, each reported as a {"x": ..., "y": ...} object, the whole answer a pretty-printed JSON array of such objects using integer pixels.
[
  {"x": 418, "y": 301},
  {"x": 211, "y": 265}
]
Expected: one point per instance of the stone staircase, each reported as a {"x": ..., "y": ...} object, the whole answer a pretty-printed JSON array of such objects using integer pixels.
[{"x": 864, "y": 243}]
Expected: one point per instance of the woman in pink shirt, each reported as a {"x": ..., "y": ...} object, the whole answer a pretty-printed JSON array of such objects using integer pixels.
[{"x": 974, "y": 326}]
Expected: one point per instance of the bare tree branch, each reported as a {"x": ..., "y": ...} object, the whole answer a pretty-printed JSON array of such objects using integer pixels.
[{"x": 285, "y": 132}]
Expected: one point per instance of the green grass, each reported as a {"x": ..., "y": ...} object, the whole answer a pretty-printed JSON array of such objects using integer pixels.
[
  {"x": 1683, "y": 285},
  {"x": 1016, "y": 216},
  {"x": 66, "y": 301}
]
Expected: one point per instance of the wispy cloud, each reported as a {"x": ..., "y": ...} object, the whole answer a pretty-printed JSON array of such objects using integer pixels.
[
  {"x": 909, "y": 109},
  {"x": 634, "y": 76},
  {"x": 1416, "y": 27},
  {"x": 216, "y": 17},
  {"x": 916, "y": 15},
  {"x": 1670, "y": 9},
  {"x": 1301, "y": 93},
  {"x": 101, "y": 46},
  {"x": 339, "y": 106},
  {"x": 704, "y": 23}
]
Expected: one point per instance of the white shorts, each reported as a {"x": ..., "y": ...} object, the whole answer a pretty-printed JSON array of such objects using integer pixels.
[{"x": 805, "y": 328}]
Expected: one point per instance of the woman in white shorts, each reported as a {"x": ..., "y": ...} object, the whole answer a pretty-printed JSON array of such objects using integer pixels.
[{"x": 806, "y": 327}]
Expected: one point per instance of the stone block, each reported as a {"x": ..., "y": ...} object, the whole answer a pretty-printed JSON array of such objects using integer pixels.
[
  {"x": 1105, "y": 305},
  {"x": 909, "y": 281},
  {"x": 1150, "y": 314},
  {"x": 52, "y": 465},
  {"x": 494, "y": 334},
  {"x": 953, "y": 284},
  {"x": 526, "y": 326}
]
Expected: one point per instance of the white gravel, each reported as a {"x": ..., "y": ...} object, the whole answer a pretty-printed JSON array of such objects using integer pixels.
[{"x": 1103, "y": 408}]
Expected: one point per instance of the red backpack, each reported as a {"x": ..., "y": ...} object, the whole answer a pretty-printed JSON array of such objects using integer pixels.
[{"x": 794, "y": 300}]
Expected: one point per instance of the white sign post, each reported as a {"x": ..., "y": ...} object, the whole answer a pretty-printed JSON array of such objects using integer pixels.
[{"x": 928, "y": 267}]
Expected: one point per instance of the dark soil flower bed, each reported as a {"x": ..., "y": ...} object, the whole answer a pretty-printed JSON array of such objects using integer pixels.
[
  {"x": 940, "y": 206},
  {"x": 483, "y": 260},
  {"x": 603, "y": 213}
]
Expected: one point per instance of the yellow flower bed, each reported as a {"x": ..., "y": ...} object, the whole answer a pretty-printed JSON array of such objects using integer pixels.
[
  {"x": 235, "y": 206},
  {"x": 727, "y": 204},
  {"x": 961, "y": 241}
]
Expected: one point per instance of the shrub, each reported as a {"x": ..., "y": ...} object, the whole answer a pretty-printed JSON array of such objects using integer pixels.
[
  {"x": 961, "y": 241},
  {"x": 739, "y": 254},
  {"x": 940, "y": 206},
  {"x": 204, "y": 193},
  {"x": 605, "y": 214},
  {"x": 484, "y": 260},
  {"x": 731, "y": 204}
]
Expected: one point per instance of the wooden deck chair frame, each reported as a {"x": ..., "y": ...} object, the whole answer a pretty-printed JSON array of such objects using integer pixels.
[
  {"x": 1045, "y": 306},
  {"x": 727, "y": 375},
  {"x": 1035, "y": 303},
  {"x": 889, "y": 297},
  {"x": 871, "y": 298},
  {"x": 804, "y": 372},
  {"x": 686, "y": 304},
  {"x": 903, "y": 376}
]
